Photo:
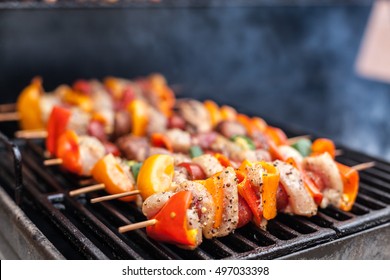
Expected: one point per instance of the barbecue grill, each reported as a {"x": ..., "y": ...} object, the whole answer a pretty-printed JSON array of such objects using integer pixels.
[{"x": 40, "y": 220}]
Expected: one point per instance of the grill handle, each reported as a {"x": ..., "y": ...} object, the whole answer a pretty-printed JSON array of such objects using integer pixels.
[{"x": 17, "y": 158}]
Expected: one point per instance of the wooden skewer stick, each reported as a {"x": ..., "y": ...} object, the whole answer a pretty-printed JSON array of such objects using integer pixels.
[
  {"x": 11, "y": 116},
  {"x": 363, "y": 166},
  {"x": 87, "y": 189},
  {"x": 114, "y": 196},
  {"x": 137, "y": 225},
  {"x": 31, "y": 134},
  {"x": 7, "y": 107},
  {"x": 87, "y": 182},
  {"x": 293, "y": 140},
  {"x": 53, "y": 161}
]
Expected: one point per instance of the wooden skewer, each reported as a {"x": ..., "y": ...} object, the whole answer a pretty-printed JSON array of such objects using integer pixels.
[
  {"x": 53, "y": 161},
  {"x": 293, "y": 140},
  {"x": 363, "y": 166},
  {"x": 114, "y": 196},
  {"x": 137, "y": 225},
  {"x": 87, "y": 189},
  {"x": 11, "y": 116},
  {"x": 7, "y": 107},
  {"x": 31, "y": 134},
  {"x": 87, "y": 182}
]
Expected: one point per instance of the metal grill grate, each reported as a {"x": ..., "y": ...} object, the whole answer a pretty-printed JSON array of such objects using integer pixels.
[{"x": 83, "y": 230}]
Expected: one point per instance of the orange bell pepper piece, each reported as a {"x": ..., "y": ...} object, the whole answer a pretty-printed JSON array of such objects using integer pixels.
[
  {"x": 223, "y": 160},
  {"x": 214, "y": 186},
  {"x": 259, "y": 124},
  {"x": 165, "y": 94},
  {"x": 247, "y": 123},
  {"x": 276, "y": 135},
  {"x": 56, "y": 126},
  {"x": 171, "y": 222},
  {"x": 138, "y": 110},
  {"x": 322, "y": 145},
  {"x": 28, "y": 106},
  {"x": 213, "y": 109},
  {"x": 161, "y": 140},
  {"x": 68, "y": 151},
  {"x": 228, "y": 113},
  {"x": 350, "y": 179},
  {"x": 115, "y": 86},
  {"x": 110, "y": 173},
  {"x": 155, "y": 175},
  {"x": 270, "y": 186},
  {"x": 274, "y": 151}
]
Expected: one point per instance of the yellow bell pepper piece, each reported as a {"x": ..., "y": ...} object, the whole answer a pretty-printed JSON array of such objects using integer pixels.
[
  {"x": 138, "y": 110},
  {"x": 28, "y": 106}
]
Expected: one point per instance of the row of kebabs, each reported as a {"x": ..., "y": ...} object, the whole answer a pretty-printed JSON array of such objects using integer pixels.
[{"x": 201, "y": 169}]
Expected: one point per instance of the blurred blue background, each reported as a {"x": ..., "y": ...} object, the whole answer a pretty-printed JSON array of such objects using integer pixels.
[{"x": 291, "y": 63}]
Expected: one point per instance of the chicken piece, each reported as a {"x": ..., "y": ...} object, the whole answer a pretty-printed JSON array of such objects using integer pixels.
[
  {"x": 154, "y": 203},
  {"x": 230, "y": 203},
  {"x": 209, "y": 164},
  {"x": 203, "y": 203},
  {"x": 180, "y": 175},
  {"x": 103, "y": 105},
  {"x": 157, "y": 121},
  {"x": 300, "y": 201},
  {"x": 289, "y": 152},
  {"x": 91, "y": 150},
  {"x": 228, "y": 148},
  {"x": 181, "y": 140},
  {"x": 325, "y": 167},
  {"x": 79, "y": 121},
  {"x": 46, "y": 104},
  {"x": 196, "y": 116}
]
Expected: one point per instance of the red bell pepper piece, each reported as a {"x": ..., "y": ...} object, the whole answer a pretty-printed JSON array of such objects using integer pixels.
[
  {"x": 250, "y": 196},
  {"x": 171, "y": 222},
  {"x": 82, "y": 86},
  {"x": 57, "y": 125},
  {"x": 161, "y": 140},
  {"x": 194, "y": 170},
  {"x": 68, "y": 151}
]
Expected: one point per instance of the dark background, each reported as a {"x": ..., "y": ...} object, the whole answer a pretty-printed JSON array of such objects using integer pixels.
[{"x": 291, "y": 63}]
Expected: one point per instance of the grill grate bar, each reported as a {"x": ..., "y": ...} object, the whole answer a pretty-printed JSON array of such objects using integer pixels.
[
  {"x": 77, "y": 238},
  {"x": 160, "y": 250},
  {"x": 98, "y": 228},
  {"x": 374, "y": 193},
  {"x": 286, "y": 234},
  {"x": 370, "y": 203}
]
